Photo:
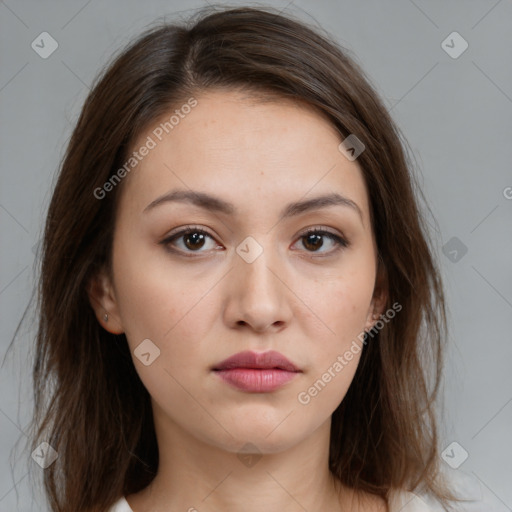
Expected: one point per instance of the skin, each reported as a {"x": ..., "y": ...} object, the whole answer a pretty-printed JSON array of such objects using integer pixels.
[{"x": 199, "y": 310}]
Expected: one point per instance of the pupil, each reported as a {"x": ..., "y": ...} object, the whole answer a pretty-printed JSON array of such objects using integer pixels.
[
  {"x": 313, "y": 240},
  {"x": 196, "y": 237}
]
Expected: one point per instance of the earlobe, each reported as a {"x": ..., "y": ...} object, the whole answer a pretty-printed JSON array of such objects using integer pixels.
[{"x": 102, "y": 299}]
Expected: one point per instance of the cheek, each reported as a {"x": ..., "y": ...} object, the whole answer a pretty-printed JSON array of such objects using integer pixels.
[
  {"x": 342, "y": 303},
  {"x": 326, "y": 389},
  {"x": 158, "y": 302},
  {"x": 335, "y": 355},
  {"x": 343, "y": 300},
  {"x": 148, "y": 297}
]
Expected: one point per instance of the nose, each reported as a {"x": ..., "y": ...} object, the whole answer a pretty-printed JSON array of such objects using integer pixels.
[{"x": 258, "y": 296}]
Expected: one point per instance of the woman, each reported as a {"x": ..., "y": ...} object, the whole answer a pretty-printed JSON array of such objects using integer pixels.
[{"x": 239, "y": 309}]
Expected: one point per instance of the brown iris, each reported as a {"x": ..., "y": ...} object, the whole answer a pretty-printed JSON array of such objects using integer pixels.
[
  {"x": 196, "y": 240},
  {"x": 313, "y": 241}
]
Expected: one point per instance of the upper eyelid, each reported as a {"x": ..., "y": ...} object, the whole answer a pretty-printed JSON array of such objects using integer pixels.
[{"x": 188, "y": 229}]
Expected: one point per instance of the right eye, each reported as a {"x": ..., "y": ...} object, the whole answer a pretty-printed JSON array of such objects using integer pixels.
[{"x": 192, "y": 239}]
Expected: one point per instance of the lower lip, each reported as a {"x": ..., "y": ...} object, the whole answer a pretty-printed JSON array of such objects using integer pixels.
[{"x": 257, "y": 381}]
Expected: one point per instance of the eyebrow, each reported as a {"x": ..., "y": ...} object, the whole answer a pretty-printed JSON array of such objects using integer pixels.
[{"x": 212, "y": 203}]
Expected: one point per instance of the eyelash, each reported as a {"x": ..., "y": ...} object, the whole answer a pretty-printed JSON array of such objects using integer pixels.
[{"x": 340, "y": 242}]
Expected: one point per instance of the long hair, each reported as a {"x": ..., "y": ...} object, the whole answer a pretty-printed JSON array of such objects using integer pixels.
[{"x": 90, "y": 405}]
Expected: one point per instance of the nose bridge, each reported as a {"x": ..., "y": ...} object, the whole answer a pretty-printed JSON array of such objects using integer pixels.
[
  {"x": 257, "y": 258},
  {"x": 258, "y": 294}
]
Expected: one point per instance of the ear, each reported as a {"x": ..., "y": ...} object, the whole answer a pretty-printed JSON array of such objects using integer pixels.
[
  {"x": 380, "y": 296},
  {"x": 103, "y": 300}
]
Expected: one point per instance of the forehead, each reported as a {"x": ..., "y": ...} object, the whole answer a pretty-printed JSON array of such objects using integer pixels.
[{"x": 243, "y": 148}]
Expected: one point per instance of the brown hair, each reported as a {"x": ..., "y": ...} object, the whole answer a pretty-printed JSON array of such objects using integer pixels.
[{"x": 90, "y": 404}]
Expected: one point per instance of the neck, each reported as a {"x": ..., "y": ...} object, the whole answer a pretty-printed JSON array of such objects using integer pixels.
[{"x": 195, "y": 475}]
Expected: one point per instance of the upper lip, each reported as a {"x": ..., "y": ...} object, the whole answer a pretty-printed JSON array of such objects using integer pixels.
[{"x": 264, "y": 360}]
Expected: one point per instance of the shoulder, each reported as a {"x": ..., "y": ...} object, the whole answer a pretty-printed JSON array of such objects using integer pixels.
[
  {"x": 120, "y": 506},
  {"x": 405, "y": 501},
  {"x": 472, "y": 496}
]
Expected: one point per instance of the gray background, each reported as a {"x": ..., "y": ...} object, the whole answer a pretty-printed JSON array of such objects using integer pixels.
[{"x": 456, "y": 114}]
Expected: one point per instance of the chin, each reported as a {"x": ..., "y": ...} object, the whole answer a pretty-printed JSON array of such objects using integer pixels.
[{"x": 260, "y": 438}]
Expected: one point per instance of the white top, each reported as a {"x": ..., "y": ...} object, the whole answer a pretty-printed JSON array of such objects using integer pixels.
[
  {"x": 402, "y": 502},
  {"x": 463, "y": 485}
]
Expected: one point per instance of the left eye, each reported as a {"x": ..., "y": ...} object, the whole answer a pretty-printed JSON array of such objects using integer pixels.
[
  {"x": 314, "y": 238},
  {"x": 195, "y": 239}
]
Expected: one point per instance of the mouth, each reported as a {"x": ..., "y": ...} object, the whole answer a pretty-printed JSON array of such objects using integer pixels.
[{"x": 256, "y": 372}]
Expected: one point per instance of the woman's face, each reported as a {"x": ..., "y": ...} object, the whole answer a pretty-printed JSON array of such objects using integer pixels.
[{"x": 253, "y": 281}]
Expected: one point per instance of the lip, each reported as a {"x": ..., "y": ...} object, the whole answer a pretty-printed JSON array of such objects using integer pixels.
[{"x": 256, "y": 372}]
